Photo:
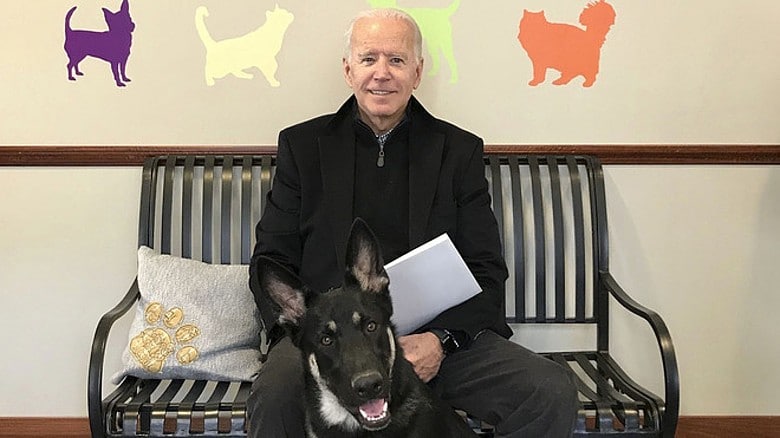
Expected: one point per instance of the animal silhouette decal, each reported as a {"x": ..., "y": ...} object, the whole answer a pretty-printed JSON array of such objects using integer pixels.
[
  {"x": 436, "y": 30},
  {"x": 565, "y": 47},
  {"x": 112, "y": 45},
  {"x": 257, "y": 48}
]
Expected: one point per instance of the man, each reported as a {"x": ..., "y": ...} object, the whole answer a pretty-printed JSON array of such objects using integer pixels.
[{"x": 412, "y": 177}]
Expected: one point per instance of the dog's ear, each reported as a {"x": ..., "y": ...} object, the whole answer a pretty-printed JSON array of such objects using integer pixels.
[
  {"x": 285, "y": 289},
  {"x": 365, "y": 266}
]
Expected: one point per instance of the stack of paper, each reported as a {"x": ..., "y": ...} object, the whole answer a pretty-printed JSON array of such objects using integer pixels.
[{"x": 427, "y": 281}]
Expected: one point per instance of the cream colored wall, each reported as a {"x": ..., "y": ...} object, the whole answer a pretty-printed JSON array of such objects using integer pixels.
[
  {"x": 67, "y": 245},
  {"x": 701, "y": 245},
  {"x": 698, "y": 243},
  {"x": 698, "y": 71}
]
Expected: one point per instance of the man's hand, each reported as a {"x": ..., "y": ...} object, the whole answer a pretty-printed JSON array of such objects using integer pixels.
[{"x": 425, "y": 353}]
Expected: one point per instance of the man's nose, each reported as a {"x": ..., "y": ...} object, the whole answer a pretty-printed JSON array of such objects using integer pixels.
[{"x": 382, "y": 69}]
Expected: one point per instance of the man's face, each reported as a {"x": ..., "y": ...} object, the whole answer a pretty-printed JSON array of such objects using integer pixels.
[{"x": 382, "y": 70}]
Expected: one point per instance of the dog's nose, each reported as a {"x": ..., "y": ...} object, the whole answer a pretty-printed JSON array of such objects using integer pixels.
[{"x": 368, "y": 385}]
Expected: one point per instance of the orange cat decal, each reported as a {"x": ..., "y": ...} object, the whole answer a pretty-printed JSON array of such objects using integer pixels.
[{"x": 571, "y": 50}]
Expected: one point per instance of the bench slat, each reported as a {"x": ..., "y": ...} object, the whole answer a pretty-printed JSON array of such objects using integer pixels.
[
  {"x": 246, "y": 209},
  {"x": 186, "y": 206},
  {"x": 208, "y": 210},
  {"x": 134, "y": 416},
  {"x": 186, "y": 408},
  {"x": 161, "y": 406},
  {"x": 578, "y": 223}
]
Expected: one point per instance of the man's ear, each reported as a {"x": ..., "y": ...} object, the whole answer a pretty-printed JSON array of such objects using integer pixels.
[
  {"x": 285, "y": 289},
  {"x": 347, "y": 68},
  {"x": 418, "y": 71},
  {"x": 365, "y": 266}
]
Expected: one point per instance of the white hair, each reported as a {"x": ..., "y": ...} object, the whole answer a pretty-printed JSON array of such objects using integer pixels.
[{"x": 390, "y": 13}]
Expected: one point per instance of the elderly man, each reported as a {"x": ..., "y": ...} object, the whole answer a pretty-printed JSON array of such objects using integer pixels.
[{"x": 411, "y": 177}]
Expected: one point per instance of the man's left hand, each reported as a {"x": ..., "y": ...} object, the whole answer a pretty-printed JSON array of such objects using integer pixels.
[{"x": 424, "y": 352}]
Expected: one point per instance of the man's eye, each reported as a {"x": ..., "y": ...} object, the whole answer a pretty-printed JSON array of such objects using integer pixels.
[
  {"x": 367, "y": 60},
  {"x": 326, "y": 340},
  {"x": 371, "y": 326},
  {"x": 397, "y": 60}
]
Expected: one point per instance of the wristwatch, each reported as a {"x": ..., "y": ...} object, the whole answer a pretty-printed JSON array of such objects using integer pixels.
[{"x": 448, "y": 342}]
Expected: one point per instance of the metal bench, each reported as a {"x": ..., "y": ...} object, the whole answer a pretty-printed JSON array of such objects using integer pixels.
[{"x": 552, "y": 216}]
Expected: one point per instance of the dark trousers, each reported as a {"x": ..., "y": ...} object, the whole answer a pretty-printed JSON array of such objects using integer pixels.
[{"x": 498, "y": 381}]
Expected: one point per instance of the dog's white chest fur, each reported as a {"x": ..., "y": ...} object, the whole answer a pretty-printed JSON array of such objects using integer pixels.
[{"x": 331, "y": 410}]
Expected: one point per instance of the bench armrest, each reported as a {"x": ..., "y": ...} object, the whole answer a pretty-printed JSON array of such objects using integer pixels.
[
  {"x": 668, "y": 356},
  {"x": 95, "y": 376}
]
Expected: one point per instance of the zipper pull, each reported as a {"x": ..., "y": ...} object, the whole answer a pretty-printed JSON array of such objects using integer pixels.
[{"x": 380, "y": 161}]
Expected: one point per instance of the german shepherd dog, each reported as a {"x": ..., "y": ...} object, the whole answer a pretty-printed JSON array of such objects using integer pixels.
[{"x": 357, "y": 381}]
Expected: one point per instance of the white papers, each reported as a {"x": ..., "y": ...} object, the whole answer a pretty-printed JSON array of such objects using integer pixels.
[{"x": 427, "y": 281}]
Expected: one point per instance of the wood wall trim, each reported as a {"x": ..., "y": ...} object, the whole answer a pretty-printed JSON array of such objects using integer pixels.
[
  {"x": 728, "y": 426},
  {"x": 688, "y": 427},
  {"x": 609, "y": 154},
  {"x": 44, "y": 427}
]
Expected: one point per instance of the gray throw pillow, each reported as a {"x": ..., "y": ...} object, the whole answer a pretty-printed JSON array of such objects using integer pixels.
[{"x": 194, "y": 320}]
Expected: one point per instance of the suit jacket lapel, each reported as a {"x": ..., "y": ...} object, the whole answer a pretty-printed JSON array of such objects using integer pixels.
[
  {"x": 337, "y": 155},
  {"x": 425, "y": 154}
]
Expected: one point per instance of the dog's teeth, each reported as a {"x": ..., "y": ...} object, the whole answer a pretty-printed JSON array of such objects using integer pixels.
[{"x": 376, "y": 414}]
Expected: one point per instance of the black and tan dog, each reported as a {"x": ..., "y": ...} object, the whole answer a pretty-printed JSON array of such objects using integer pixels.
[{"x": 357, "y": 382}]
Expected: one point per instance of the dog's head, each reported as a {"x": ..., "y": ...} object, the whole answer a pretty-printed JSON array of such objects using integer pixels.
[
  {"x": 345, "y": 335},
  {"x": 120, "y": 20}
]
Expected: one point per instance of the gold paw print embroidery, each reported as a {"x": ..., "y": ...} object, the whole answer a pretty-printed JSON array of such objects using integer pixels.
[{"x": 152, "y": 346}]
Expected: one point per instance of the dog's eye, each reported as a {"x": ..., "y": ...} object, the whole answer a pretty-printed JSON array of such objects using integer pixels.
[
  {"x": 326, "y": 340},
  {"x": 371, "y": 326}
]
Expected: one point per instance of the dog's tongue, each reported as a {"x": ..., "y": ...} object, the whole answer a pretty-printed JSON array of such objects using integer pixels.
[{"x": 374, "y": 408}]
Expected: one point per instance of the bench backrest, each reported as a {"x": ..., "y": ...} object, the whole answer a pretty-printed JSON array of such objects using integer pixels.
[
  {"x": 550, "y": 209},
  {"x": 552, "y": 218},
  {"x": 204, "y": 207}
]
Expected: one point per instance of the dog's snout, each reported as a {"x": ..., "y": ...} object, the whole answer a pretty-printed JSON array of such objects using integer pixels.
[{"x": 368, "y": 385}]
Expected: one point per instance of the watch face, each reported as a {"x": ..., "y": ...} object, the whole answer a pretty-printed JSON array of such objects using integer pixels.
[{"x": 448, "y": 342}]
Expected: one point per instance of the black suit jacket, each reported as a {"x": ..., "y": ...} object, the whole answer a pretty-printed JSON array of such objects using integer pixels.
[{"x": 308, "y": 213}]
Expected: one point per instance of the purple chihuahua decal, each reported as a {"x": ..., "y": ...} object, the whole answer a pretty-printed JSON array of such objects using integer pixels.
[{"x": 112, "y": 45}]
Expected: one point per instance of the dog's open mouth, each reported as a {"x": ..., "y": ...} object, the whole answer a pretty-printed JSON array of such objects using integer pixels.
[{"x": 374, "y": 414}]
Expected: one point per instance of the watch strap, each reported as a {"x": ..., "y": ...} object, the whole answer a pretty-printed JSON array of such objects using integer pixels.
[{"x": 449, "y": 343}]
